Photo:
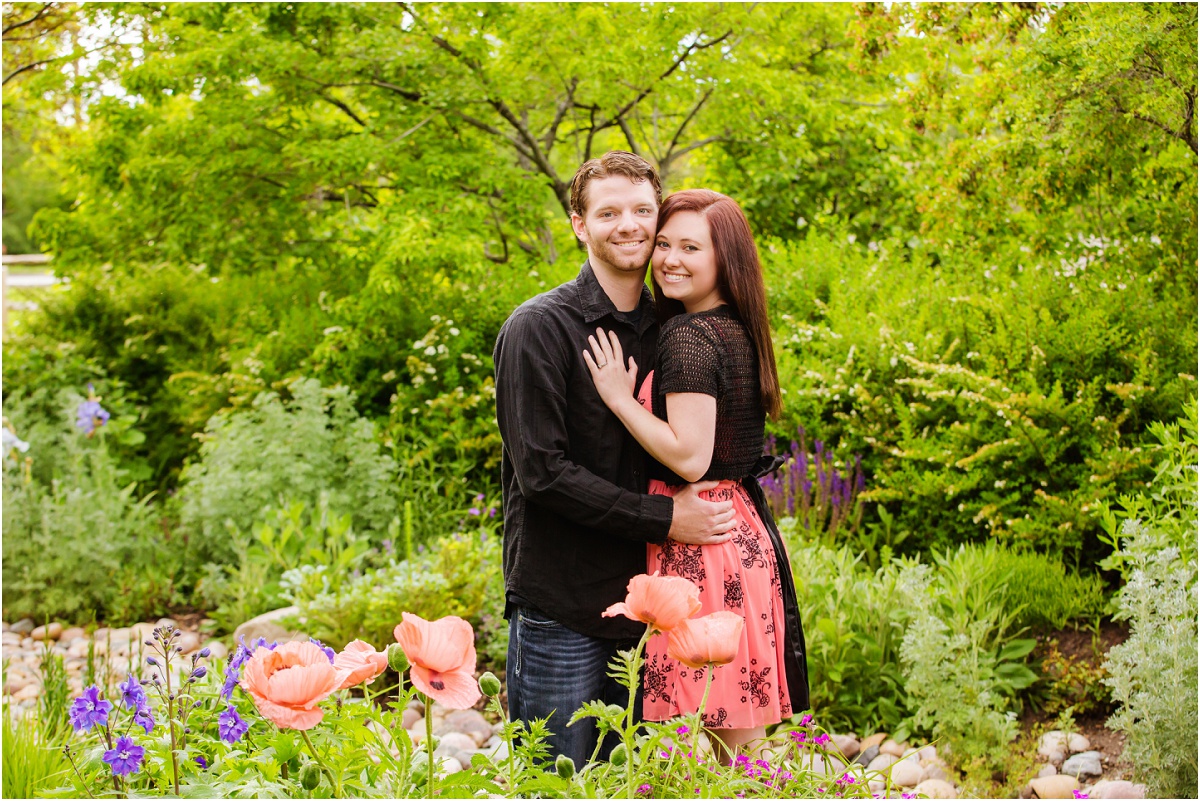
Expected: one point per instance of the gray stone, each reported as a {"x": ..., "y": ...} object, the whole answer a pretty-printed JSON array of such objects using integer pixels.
[
  {"x": 268, "y": 626},
  {"x": 846, "y": 744},
  {"x": 11, "y": 639},
  {"x": 1077, "y": 743},
  {"x": 907, "y": 772},
  {"x": 1048, "y": 770},
  {"x": 873, "y": 740},
  {"x": 935, "y": 788},
  {"x": 1055, "y": 787},
  {"x": 23, "y": 626},
  {"x": 882, "y": 762},
  {"x": 456, "y": 741},
  {"x": 469, "y": 722},
  {"x": 1117, "y": 789},
  {"x": 189, "y": 641},
  {"x": 866, "y": 755},
  {"x": 1085, "y": 765},
  {"x": 934, "y": 771},
  {"x": 927, "y": 753},
  {"x": 217, "y": 649}
]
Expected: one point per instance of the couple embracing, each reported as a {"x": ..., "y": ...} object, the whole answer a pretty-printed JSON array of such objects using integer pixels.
[{"x": 633, "y": 428}]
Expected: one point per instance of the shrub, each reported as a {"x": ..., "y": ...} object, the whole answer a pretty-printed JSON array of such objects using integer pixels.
[
  {"x": 274, "y": 454},
  {"x": 853, "y": 627},
  {"x": 84, "y": 545},
  {"x": 459, "y": 574},
  {"x": 1153, "y": 673}
]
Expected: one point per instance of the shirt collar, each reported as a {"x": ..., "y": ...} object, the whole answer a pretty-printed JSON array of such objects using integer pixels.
[{"x": 596, "y": 303}]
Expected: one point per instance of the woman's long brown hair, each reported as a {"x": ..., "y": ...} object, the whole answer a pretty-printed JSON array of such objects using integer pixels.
[{"x": 739, "y": 278}]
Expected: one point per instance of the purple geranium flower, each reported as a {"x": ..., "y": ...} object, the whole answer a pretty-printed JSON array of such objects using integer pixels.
[
  {"x": 89, "y": 709},
  {"x": 231, "y": 726},
  {"x": 202, "y": 762},
  {"x": 126, "y": 757},
  {"x": 89, "y": 416}
]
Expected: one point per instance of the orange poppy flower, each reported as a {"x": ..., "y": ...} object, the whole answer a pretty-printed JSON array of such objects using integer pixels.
[
  {"x": 287, "y": 684},
  {"x": 442, "y": 658},
  {"x": 359, "y": 662},
  {"x": 658, "y": 601},
  {"x": 708, "y": 640}
]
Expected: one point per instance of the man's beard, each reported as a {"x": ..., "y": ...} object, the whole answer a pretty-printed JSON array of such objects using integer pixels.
[{"x": 620, "y": 260}]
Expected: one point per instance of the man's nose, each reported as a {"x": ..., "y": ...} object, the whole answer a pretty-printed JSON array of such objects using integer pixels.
[{"x": 628, "y": 221}]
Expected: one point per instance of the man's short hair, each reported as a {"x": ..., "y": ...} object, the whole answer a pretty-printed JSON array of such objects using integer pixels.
[{"x": 614, "y": 162}]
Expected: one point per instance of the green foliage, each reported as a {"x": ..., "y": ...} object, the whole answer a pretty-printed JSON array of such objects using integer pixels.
[
  {"x": 274, "y": 454},
  {"x": 286, "y": 551},
  {"x": 1009, "y": 405},
  {"x": 33, "y": 762},
  {"x": 84, "y": 544},
  {"x": 456, "y": 575},
  {"x": 1072, "y": 685},
  {"x": 953, "y": 677},
  {"x": 1153, "y": 673},
  {"x": 853, "y": 629}
]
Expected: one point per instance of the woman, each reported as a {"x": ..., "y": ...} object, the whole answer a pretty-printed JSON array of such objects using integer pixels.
[{"x": 701, "y": 414}]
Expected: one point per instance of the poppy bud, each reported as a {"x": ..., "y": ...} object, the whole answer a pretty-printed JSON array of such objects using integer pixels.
[
  {"x": 565, "y": 766},
  {"x": 310, "y": 776},
  {"x": 397, "y": 660},
  {"x": 615, "y": 710},
  {"x": 489, "y": 685},
  {"x": 619, "y": 755}
]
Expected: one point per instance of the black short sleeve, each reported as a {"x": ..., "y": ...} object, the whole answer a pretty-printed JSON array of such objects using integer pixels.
[{"x": 689, "y": 360}]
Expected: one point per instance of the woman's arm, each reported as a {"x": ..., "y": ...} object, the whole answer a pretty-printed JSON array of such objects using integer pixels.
[{"x": 684, "y": 441}]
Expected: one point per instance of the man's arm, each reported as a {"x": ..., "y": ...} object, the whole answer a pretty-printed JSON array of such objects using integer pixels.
[{"x": 532, "y": 362}]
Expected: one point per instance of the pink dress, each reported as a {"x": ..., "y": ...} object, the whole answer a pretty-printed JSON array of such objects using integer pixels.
[{"x": 742, "y": 576}]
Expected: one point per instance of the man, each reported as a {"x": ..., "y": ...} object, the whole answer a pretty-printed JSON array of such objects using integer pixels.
[{"x": 576, "y": 516}]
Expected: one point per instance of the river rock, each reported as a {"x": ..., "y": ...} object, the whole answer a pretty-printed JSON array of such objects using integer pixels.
[
  {"x": 892, "y": 747},
  {"x": 1085, "y": 765},
  {"x": 449, "y": 765},
  {"x": 410, "y": 717},
  {"x": 882, "y": 762},
  {"x": 874, "y": 740},
  {"x": 23, "y": 626},
  {"x": 927, "y": 753},
  {"x": 822, "y": 764},
  {"x": 51, "y": 631},
  {"x": 1117, "y": 789},
  {"x": 846, "y": 744},
  {"x": 935, "y": 788},
  {"x": 1048, "y": 770},
  {"x": 456, "y": 741},
  {"x": 28, "y": 693},
  {"x": 72, "y": 633},
  {"x": 469, "y": 722},
  {"x": 217, "y": 649},
  {"x": 1077, "y": 743},
  {"x": 866, "y": 755},
  {"x": 1054, "y": 787},
  {"x": 933, "y": 771},
  {"x": 10, "y": 639},
  {"x": 1053, "y": 747},
  {"x": 907, "y": 772},
  {"x": 268, "y": 626},
  {"x": 189, "y": 641}
]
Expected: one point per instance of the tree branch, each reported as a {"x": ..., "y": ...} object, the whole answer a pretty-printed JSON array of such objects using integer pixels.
[
  {"x": 41, "y": 12},
  {"x": 349, "y": 113}
]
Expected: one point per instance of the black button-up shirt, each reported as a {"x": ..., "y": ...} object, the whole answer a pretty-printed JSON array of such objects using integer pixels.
[{"x": 576, "y": 516}]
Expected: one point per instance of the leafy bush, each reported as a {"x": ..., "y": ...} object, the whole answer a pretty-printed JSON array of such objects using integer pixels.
[
  {"x": 274, "y": 454},
  {"x": 991, "y": 400},
  {"x": 457, "y": 575},
  {"x": 84, "y": 545},
  {"x": 281, "y": 552},
  {"x": 1153, "y": 673},
  {"x": 853, "y": 628}
]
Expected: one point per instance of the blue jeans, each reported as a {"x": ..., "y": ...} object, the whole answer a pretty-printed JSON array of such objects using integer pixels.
[{"x": 552, "y": 672}]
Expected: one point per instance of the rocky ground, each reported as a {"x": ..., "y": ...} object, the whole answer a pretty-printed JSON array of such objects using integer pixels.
[{"x": 1087, "y": 760}]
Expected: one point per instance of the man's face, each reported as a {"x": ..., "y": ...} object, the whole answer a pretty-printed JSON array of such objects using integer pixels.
[{"x": 618, "y": 226}]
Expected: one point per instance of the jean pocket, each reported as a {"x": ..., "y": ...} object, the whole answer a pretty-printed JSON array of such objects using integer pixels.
[{"x": 536, "y": 619}]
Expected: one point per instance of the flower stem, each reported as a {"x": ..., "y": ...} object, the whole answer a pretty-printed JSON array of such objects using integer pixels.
[
  {"x": 634, "y": 677},
  {"x": 429, "y": 740},
  {"x": 337, "y": 788}
]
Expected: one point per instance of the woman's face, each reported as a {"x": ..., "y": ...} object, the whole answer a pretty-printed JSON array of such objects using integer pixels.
[{"x": 684, "y": 263}]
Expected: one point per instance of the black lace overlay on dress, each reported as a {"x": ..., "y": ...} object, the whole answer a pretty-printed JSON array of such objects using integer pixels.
[{"x": 711, "y": 353}]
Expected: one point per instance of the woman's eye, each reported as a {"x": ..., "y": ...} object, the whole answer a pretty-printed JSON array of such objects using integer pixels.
[{"x": 661, "y": 245}]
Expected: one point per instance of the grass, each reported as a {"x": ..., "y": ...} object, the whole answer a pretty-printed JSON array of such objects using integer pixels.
[{"x": 32, "y": 762}]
